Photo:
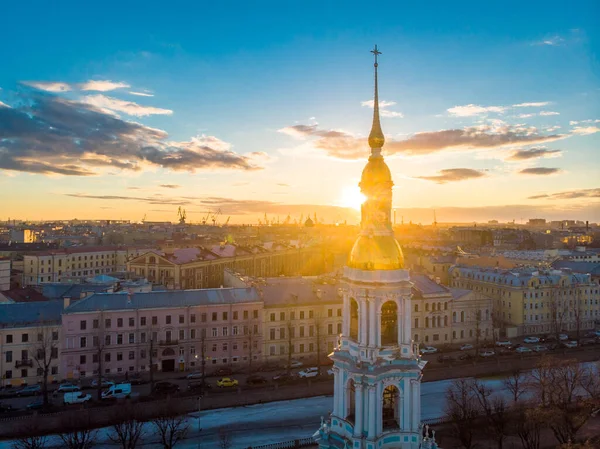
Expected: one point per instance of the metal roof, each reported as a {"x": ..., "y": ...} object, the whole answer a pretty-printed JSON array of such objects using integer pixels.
[
  {"x": 30, "y": 314},
  {"x": 163, "y": 299},
  {"x": 300, "y": 292}
]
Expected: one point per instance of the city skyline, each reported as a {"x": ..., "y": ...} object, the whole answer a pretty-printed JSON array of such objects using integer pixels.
[{"x": 269, "y": 113}]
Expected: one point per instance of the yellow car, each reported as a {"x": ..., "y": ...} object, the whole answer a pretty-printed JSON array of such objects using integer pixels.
[{"x": 227, "y": 382}]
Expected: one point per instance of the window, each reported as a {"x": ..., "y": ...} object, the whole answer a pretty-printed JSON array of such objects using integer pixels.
[
  {"x": 282, "y": 332},
  {"x": 81, "y": 360},
  {"x": 339, "y": 328},
  {"x": 131, "y": 355},
  {"x": 246, "y": 314},
  {"x": 215, "y": 332},
  {"x": 119, "y": 322},
  {"x": 9, "y": 357},
  {"x": 9, "y": 338},
  {"x": 255, "y": 314},
  {"x": 119, "y": 339},
  {"x": 154, "y": 320},
  {"x": 131, "y": 322},
  {"x": 95, "y": 358},
  {"x": 24, "y": 373},
  {"x": 224, "y": 346},
  {"x": 416, "y": 323},
  {"x": 330, "y": 329},
  {"x": 83, "y": 342},
  {"x": 329, "y": 312},
  {"x": 24, "y": 338},
  {"x": 143, "y": 321},
  {"x": 82, "y": 325},
  {"x": 235, "y": 315},
  {"x": 107, "y": 323},
  {"x": 96, "y": 324},
  {"x": 234, "y": 330},
  {"x": 272, "y": 317},
  {"x": 131, "y": 338},
  {"x": 193, "y": 334},
  {"x": 292, "y": 315},
  {"x": 214, "y": 316},
  {"x": 214, "y": 347},
  {"x": 192, "y": 318},
  {"x": 181, "y": 319},
  {"x": 311, "y": 314},
  {"x": 142, "y": 354},
  {"x": 301, "y": 331},
  {"x": 168, "y": 319},
  {"x": 95, "y": 341},
  {"x": 271, "y": 335},
  {"x": 143, "y": 337},
  {"x": 181, "y": 334},
  {"x": 225, "y": 316},
  {"x": 203, "y": 318},
  {"x": 281, "y": 316},
  {"x": 8, "y": 374},
  {"x": 107, "y": 340},
  {"x": 302, "y": 314},
  {"x": 107, "y": 357},
  {"x": 225, "y": 331},
  {"x": 339, "y": 312},
  {"x": 119, "y": 356}
]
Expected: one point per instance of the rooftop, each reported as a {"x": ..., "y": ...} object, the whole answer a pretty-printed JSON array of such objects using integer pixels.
[
  {"x": 426, "y": 286},
  {"x": 25, "y": 294},
  {"x": 30, "y": 313},
  {"x": 519, "y": 276},
  {"x": 298, "y": 291},
  {"x": 163, "y": 299}
]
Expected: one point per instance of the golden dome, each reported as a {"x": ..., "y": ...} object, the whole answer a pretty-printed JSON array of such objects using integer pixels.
[
  {"x": 376, "y": 252},
  {"x": 375, "y": 172}
]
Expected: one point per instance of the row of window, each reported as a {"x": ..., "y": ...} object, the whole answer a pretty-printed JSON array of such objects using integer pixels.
[
  {"x": 436, "y": 337},
  {"x": 49, "y": 261},
  {"x": 25, "y": 337},
  {"x": 301, "y": 331},
  {"x": 8, "y": 374},
  {"x": 302, "y": 314},
  {"x": 40, "y": 354},
  {"x": 300, "y": 348},
  {"x": 434, "y": 307}
]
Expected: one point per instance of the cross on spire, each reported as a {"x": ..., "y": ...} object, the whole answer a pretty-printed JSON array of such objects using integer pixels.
[{"x": 376, "y": 53}]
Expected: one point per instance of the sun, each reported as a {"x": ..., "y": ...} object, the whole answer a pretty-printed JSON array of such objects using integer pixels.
[{"x": 351, "y": 197}]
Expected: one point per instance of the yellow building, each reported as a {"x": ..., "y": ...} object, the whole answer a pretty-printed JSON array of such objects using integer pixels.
[{"x": 531, "y": 301}]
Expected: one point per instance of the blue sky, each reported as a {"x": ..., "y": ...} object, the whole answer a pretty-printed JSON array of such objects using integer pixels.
[{"x": 495, "y": 108}]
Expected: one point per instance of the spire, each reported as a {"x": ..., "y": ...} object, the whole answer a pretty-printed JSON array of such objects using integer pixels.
[{"x": 376, "y": 138}]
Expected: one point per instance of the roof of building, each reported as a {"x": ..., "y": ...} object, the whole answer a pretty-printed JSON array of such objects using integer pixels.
[
  {"x": 25, "y": 294},
  {"x": 84, "y": 249},
  {"x": 299, "y": 291},
  {"x": 426, "y": 286},
  {"x": 458, "y": 293},
  {"x": 62, "y": 290},
  {"x": 30, "y": 313},
  {"x": 592, "y": 268},
  {"x": 163, "y": 299},
  {"x": 519, "y": 276}
]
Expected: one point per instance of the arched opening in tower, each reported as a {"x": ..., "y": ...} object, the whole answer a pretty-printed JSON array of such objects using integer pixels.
[
  {"x": 350, "y": 398},
  {"x": 391, "y": 408},
  {"x": 389, "y": 324},
  {"x": 353, "y": 319}
]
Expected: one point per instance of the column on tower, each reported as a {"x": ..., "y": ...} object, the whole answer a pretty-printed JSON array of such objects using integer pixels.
[
  {"x": 336, "y": 391},
  {"x": 400, "y": 314},
  {"x": 407, "y": 337},
  {"x": 358, "y": 410},
  {"x": 415, "y": 404},
  {"x": 378, "y": 327},
  {"x": 372, "y": 324},
  {"x": 346, "y": 317},
  {"x": 373, "y": 404},
  {"x": 363, "y": 316}
]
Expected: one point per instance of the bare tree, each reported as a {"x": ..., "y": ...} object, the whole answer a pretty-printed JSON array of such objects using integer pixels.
[
  {"x": 43, "y": 352},
  {"x": 576, "y": 310},
  {"x": 494, "y": 410},
  {"x": 78, "y": 434},
  {"x": 558, "y": 312},
  {"x": 515, "y": 382},
  {"x": 225, "y": 440},
  {"x": 528, "y": 423},
  {"x": 318, "y": 323},
  {"x": 461, "y": 409},
  {"x": 129, "y": 431},
  {"x": 30, "y": 442},
  {"x": 290, "y": 330},
  {"x": 99, "y": 342},
  {"x": 171, "y": 428}
]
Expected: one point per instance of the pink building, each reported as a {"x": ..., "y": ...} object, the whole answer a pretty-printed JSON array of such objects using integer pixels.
[{"x": 116, "y": 332}]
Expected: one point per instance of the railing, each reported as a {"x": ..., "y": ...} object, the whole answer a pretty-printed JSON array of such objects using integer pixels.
[
  {"x": 24, "y": 362},
  {"x": 303, "y": 442},
  {"x": 168, "y": 342}
]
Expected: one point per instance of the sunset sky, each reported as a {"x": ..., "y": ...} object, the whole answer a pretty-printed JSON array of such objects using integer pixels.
[{"x": 125, "y": 109}]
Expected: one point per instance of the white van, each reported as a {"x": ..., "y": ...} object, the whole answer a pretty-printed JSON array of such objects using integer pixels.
[
  {"x": 76, "y": 397},
  {"x": 117, "y": 391}
]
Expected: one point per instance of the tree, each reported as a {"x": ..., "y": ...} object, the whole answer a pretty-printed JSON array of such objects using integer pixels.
[
  {"x": 558, "y": 312},
  {"x": 577, "y": 311},
  {"x": 528, "y": 423},
  {"x": 99, "y": 342},
  {"x": 129, "y": 431},
  {"x": 515, "y": 383},
  {"x": 30, "y": 442},
  {"x": 494, "y": 410},
  {"x": 77, "y": 433},
  {"x": 461, "y": 410},
  {"x": 225, "y": 440},
  {"x": 318, "y": 323},
  {"x": 290, "y": 330},
  {"x": 171, "y": 428},
  {"x": 43, "y": 352}
]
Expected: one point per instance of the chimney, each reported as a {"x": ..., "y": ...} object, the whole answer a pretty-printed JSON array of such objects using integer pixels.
[{"x": 66, "y": 302}]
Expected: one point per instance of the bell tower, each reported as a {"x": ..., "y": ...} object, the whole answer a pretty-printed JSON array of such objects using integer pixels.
[{"x": 377, "y": 367}]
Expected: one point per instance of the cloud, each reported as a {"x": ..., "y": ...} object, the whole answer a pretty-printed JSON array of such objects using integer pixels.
[
  {"x": 48, "y": 134},
  {"x": 526, "y": 115},
  {"x": 552, "y": 41},
  {"x": 149, "y": 200},
  {"x": 533, "y": 153},
  {"x": 383, "y": 105},
  {"x": 4, "y": 105},
  {"x": 128, "y": 107},
  {"x": 141, "y": 94},
  {"x": 546, "y": 113},
  {"x": 471, "y": 110},
  {"x": 170, "y": 186},
  {"x": 538, "y": 104},
  {"x": 540, "y": 171},
  {"x": 453, "y": 175},
  {"x": 283, "y": 184},
  {"x": 585, "y": 130},
  {"x": 102, "y": 85},
  {"x": 133, "y": 188},
  {"x": 569, "y": 194},
  {"x": 49, "y": 86},
  {"x": 343, "y": 145}
]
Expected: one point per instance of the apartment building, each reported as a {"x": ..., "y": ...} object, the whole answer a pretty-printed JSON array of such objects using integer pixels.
[
  {"x": 203, "y": 267},
  {"x": 447, "y": 316},
  {"x": 29, "y": 333},
  {"x": 301, "y": 317},
  {"x": 58, "y": 265},
  {"x": 5, "y": 264},
  {"x": 531, "y": 301},
  {"x": 172, "y": 330}
]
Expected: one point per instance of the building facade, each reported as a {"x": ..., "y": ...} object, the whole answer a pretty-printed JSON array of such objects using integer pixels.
[
  {"x": 25, "y": 330},
  {"x": 170, "y": 330},
  {"x": 61, "y": 265},
  {"x": 5, "y": 265},
  {"x": 191, "y": 268},
  {"x": 533, "y": 301}
]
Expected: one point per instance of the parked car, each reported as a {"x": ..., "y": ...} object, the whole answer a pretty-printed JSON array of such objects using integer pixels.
[
  {"x": 523, "y": 350},
  {"x": 120, "y": 391},
  {"x": 504, "y": 351},
  {"x": 486, "y": 353},
  {"x": 309, "y": 372},
  {"x": 223, "y": 372},
  {"x": 227, "y": 382},
  {"x": 296, "y": 364},
  {"x": 570, "y": 344},
  {"x": 30, "y": 390},
  {"x": 531, "y": 340},
  {"x": 76, "y": 398},
  {"x": 563, "y": 337},
  {"x": 105, "y": 384},
  {"x": 5, "y": 408},
  {"x": 68, "y": 388},
  {"x": 504, "y": 343},
  {"x": 540, "y": 348},
  {"x": 587, "y": 342},
  {"x": 198, "y": 386},
  {"x": 194, "y": 375},
  {"x": 465, "y": 356},
  {"x": 165, "y": 388},
  {"x": 466, "y": 347},
  {"x": 284, "y": 377},
  {"x": 445, "y": 358},
  {"x": 255, "y": 379},
  {"x": 35, "y": 405},
  {"x": 428, "y": 350}
]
